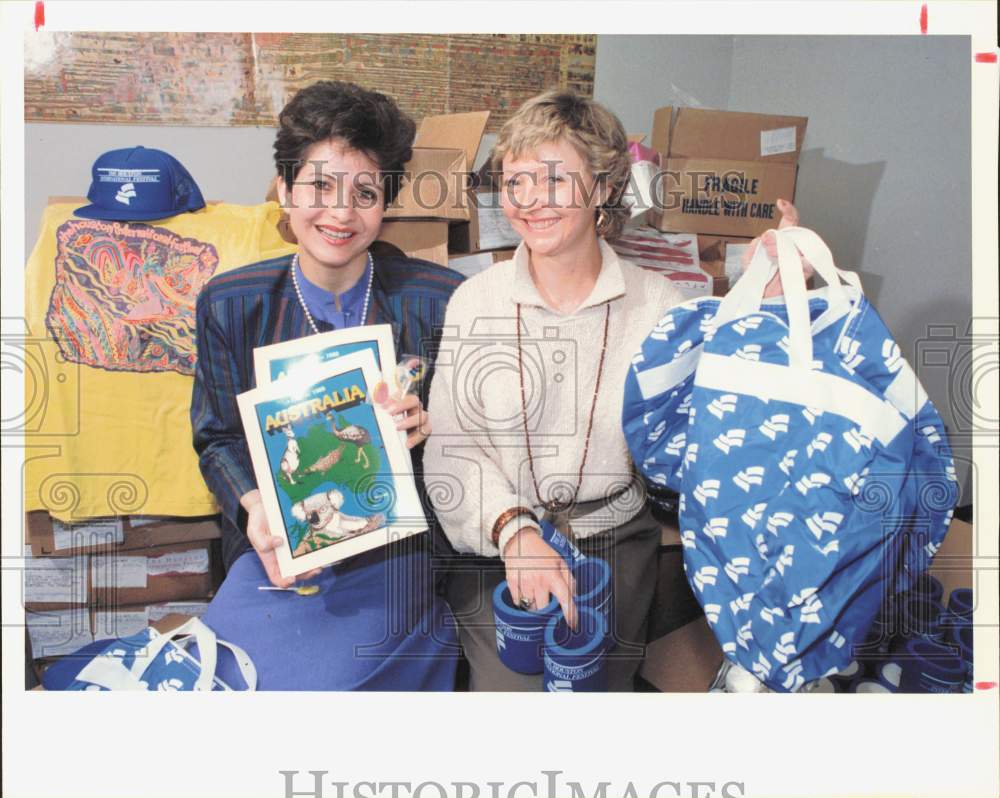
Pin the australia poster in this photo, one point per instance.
(335, 477)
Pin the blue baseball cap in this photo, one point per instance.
(139, 184)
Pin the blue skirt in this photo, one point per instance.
(375, 624)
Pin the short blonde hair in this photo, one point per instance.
(594, 132)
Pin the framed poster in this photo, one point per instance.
(334, 476)
(305, 355)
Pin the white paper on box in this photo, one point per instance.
(136, 521)
(777, 141)
(119, 623)
(734, 261)
(58, 632)
(60, 580)
(193, 608)
(194, 561)
(98, 532)
(495, 231)
(119, 570)
(471, 264)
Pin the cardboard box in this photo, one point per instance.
(123, 621)
(55, 634)
(724, 171)
(421, 238)
(165, 573)
(952, 565)
(476, 262)
(50, 537)
(438, 174)
(144, 532)
(715, 254)
(55, 583)
(486, 229)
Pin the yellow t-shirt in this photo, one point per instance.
(109, 355)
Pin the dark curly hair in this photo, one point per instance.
(368, 121)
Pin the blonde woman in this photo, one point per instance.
(527, 404)
(527, 399)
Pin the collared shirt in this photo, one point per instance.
(610, 282)
(322, 304)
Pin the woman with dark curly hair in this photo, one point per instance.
(339, 153)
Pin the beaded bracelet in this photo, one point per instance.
(505, 518)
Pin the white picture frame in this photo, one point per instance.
(348, 464)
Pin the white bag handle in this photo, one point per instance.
(745, 297)
(204, 637)
(109, 672)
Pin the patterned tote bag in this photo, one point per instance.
(813, 471)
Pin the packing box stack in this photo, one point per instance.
(447, 212)
(112, 577)
(722, 173)
(440, 209)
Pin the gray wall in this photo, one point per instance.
(638, 74)
(884, 172)
(885, 169)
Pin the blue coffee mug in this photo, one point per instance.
(520, 633)
(961, 636)
(960, 603)
(928, 587)
(593, 585)
(574, 659)
(930, 668)
(921, 618)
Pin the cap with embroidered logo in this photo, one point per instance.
(140, 184)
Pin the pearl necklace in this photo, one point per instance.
(302, 301)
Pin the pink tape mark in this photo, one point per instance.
(923, 18)
(39, 14)
(985, 685)
(986, 58)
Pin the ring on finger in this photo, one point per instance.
(526, 603)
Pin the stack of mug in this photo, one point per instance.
(915, 645)
(540, 641)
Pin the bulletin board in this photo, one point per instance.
(244, 79)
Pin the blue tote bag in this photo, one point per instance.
(813, 471)
(151, 661)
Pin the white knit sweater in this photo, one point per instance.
(475, 461)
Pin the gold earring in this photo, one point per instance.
(602, 220)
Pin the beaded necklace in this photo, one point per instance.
(302, 301)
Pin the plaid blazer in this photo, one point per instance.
(255, 306)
